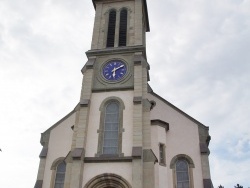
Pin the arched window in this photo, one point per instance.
(60, 175)
(182, 167)
(111, 128)
(182, 174)
(123, 27)
(111, 29)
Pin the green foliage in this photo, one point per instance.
(238, 186)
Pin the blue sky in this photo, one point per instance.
(198, 51)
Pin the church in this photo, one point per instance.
(121, 134)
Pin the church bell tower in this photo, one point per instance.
(113, 100)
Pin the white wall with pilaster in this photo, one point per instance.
(59, 145)
(94, 121)
(182, 138)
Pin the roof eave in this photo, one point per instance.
(179, 110)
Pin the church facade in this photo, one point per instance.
(122, 134)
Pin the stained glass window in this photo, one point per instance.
(111, 128)
(60, 175)
(182, 174)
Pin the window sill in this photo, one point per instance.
(104, 159)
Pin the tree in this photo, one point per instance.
(220, 186)
(238, 186)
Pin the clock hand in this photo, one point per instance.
(113, 73)
(115, 69)
(119, 67)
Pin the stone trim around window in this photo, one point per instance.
(116, 27)
(100, 131)
(53, 168)
(182, 156)
(162, 154)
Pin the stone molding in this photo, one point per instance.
(44, 152)
(84, 102)
(208, 183)
(108, 180)
(137, 59)
(56, 162)
(127, 88)
(149, 156)
(204, 148)
(146, 105)
(116, 50)
(160, 123)
(137, 100)
(182, 156)
(39, 184)
(137, 152)
(107, 159)
(89, 65)
(78, 154)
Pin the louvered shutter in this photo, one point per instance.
(111, 29)
(123, 28)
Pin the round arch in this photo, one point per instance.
(56, 162)
(109, 99)
(182, 156)
(108, 180)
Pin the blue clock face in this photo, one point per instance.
(114, 70)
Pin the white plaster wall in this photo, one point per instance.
(158, 135)
(182, 138)
(93, 169)
(94, 121)
(59, 145)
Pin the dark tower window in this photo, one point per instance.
(123, 28)
(111, 29)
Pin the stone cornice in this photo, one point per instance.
(116, 50)
(107, 159)
(160, 123)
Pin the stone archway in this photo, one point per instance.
(108, 180)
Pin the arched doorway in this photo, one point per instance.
(108, 180)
